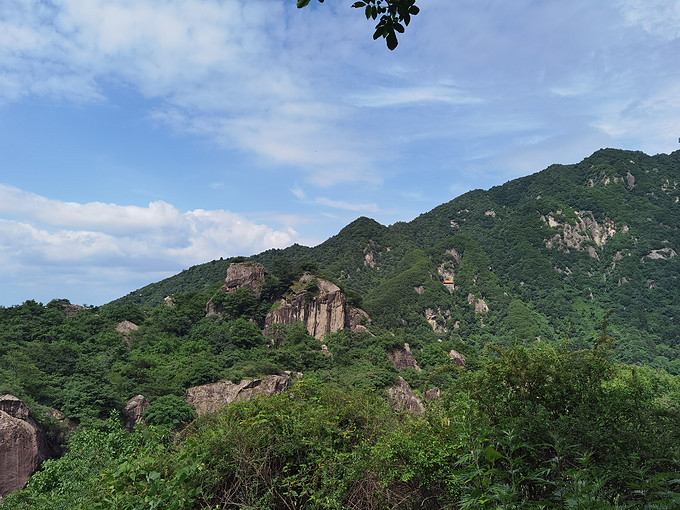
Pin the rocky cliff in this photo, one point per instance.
(209, 398)
(249, 275)
(320, 305)
(23, 445)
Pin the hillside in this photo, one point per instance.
(512, 348)
(540, 257)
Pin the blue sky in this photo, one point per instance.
(141, 137)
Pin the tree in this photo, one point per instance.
(394, 15)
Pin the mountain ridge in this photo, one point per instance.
(560, 246)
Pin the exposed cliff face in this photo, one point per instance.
(249, 275)
(402, 398)
(584, 229)
(23, 445)
(133, 411)
(209, 398)
(402, 357)
(320, 305)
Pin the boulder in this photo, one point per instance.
(209, 398)
(248, 275)
(133, 411)
(402, 398)
(402, 357)
(458, 358)
(23, 445)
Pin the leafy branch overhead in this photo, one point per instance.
(393, 15)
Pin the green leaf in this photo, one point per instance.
(491, 454)
(392, 40)
(413, 10)
(358, 4)
(302, 3)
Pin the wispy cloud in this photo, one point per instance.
(413, 95)
(349, 206)
(70, 234)
(659, 18)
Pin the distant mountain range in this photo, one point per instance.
(540, 258)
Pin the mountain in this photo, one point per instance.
(540, 258)
(515, 347)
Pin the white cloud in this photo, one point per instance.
(443, 93)
(660, 18)
(349, 206)
(232, 71)
(70, 235)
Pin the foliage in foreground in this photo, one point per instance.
(532, 428)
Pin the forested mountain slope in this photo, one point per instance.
(539, 258)
(534, 324)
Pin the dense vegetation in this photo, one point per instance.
(548, 412)
(501, 247)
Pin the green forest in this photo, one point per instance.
(564, 306)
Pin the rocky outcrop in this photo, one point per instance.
(23, 445)
(572, 235)
(437, 319)
(320, 305)
(249, 275)
(402, 398)
(209, 398)
(402, 357)
(126, 328)
(458, 358)
(480, 304)
(132, 415)
(661, 254)
(240, 275)
(70, 310)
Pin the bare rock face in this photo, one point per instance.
(133, 411)
(480, 304)
(126, 327)
(432, 394)
(458, 358)
(356, 318)
(320, 305)
(584, 229)
(661, 254)
(402, 398)
(245, 274)
(402, 357)
(437, 318)
(209, 398)
(249, 275)
(70, 309)
(23, 446)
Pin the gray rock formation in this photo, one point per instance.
(320, 305)
(458, 358)
(249, 275)
(133, 411)
(402, 357)
(23, 445)
(209, 398)
(402, 398)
